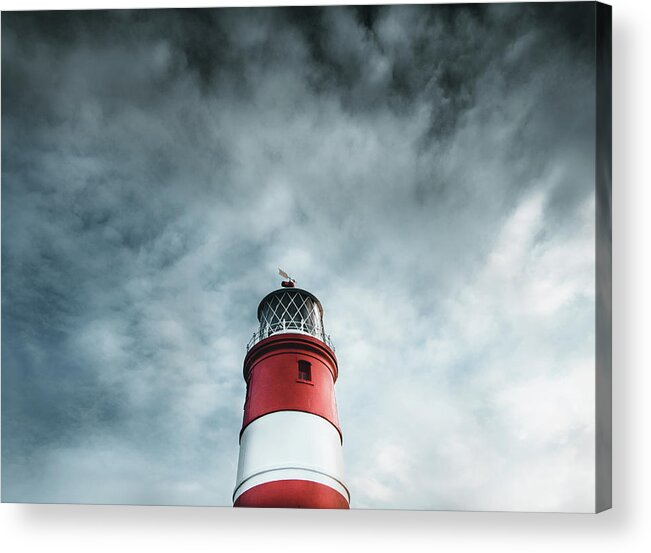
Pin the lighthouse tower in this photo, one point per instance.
(290, 442)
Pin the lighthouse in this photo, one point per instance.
(291, 441)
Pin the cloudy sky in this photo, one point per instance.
(427, 172)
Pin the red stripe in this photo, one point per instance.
(292, 494)
(273, 379)
(274, 386)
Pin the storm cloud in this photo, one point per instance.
(426, 171)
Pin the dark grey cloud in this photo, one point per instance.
(427, 171)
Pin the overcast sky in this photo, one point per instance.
(427, 172)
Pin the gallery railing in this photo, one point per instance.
(285, 327)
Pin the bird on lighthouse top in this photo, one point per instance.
(289, 282)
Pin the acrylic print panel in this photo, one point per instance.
(433, 182)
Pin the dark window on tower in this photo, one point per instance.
(304, 371)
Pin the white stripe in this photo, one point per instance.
(290, 440)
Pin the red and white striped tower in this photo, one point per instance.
(290, 442)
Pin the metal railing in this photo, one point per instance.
(285, 327)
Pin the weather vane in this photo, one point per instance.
(290, 282)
